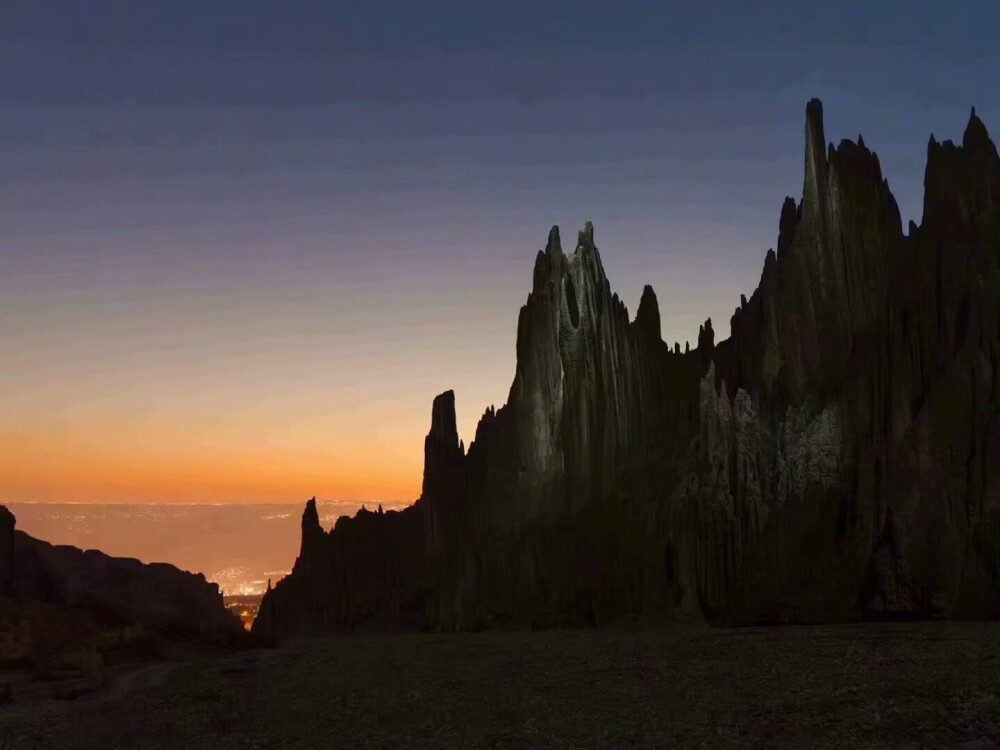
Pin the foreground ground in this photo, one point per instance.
(889, 685)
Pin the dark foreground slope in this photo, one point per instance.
(56, 598)
(837, 457)
(876, 685)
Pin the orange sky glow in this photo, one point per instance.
(248, 385)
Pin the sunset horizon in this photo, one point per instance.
(239, 268)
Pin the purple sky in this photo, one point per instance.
(242, 248)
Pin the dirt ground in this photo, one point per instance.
(934, 685)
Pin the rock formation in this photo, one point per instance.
(836, 458)
(111, 591)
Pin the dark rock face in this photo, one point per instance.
(444, 474)
(647, 317)
(7, 521)
(113, 591)
(375, 569)
(837, 457)
(368, 570)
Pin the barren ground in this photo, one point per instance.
(932, 685)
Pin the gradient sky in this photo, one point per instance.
(243, 244)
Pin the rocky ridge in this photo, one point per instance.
(834, 459)
(96, 591)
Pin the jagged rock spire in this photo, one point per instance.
(790, 215)
(811, 398)
(706, 338)
(443, 426)
(647, 317)
(958, 178)
(444, 469)
(548, 261)
(814, 189)
(553, 243)
(442, 449)
(585, 237)
(976, 136)
(310, 516)
(312, 532)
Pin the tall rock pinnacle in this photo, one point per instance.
(444, 470)
(814, 189)
(443, 424)
(312, 532)
(787, 225)
(647, 317)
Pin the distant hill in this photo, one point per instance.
(60, 598)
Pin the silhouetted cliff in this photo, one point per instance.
(835, 458)
(103, 591)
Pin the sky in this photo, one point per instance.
(244, 244)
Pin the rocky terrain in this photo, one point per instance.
(66, 614)
(836, 458)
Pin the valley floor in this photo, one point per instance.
(907, 685)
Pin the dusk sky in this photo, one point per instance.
(244, 244)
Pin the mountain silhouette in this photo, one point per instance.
(87, 592)
(836, 458)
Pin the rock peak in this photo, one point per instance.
(976, 135)
(310, 516)
(586, 236)
(706, 339)
(553, 243)
(787, 224)
(444, 472)
(814, 189)
(814, 111)
(443, 425)
(647, 317)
